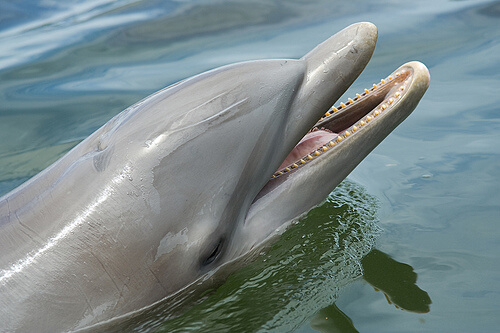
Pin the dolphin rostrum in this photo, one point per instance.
(188, 180)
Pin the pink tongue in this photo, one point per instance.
(309, 143)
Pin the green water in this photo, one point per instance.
(408, 244)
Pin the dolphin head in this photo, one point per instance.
(199, 152)
(214, 141)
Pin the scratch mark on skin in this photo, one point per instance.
(121, 293)
(158, 280)
(178, 126)
(84, 295)
(107, 273)
(8, 208)
(32, 234)
(61, 235)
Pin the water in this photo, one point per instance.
(422, 209)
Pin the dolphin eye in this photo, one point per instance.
(215, 253)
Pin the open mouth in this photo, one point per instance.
(348, 119)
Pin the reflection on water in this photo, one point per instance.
(332, 320)
(396, 280)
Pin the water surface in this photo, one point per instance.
(417, 220)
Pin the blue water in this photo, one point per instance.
(425, 204)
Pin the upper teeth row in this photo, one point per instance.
(353, 128)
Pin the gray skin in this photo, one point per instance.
(177, 186)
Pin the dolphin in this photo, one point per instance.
(189, 180)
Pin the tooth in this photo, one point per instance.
(350, 100)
